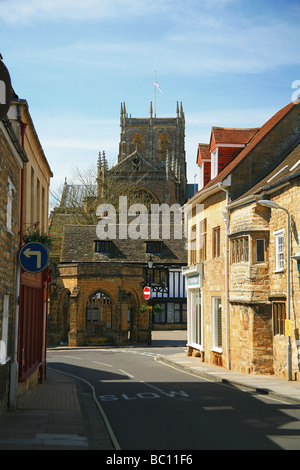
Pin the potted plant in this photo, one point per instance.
(157, 309)
(37, 236)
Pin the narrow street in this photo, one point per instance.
(151, 406)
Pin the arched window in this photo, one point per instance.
(137, 195)
(98, 311)
(137, 143)
(163, 146)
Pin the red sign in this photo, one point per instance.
(147, 293)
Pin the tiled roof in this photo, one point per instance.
(257, 138)
(227, 135)
(203, 153)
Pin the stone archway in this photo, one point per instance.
(98, 313)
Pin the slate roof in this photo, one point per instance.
(79, 246)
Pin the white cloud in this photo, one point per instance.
(20, 11)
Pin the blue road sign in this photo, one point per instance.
(34, 257)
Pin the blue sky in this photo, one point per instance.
(231, 63)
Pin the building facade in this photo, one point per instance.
(97, 296)
(240, 288)
(33, 296)
(23, 296)
(12, 161)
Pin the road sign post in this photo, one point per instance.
(147, 293)
(148, 296)
(34, 257)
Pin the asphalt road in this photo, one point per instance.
(151, 406)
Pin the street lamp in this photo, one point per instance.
(274, 205)
(150, 262)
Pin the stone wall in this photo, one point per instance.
(9, 244)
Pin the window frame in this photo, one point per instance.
(154, 247)
(9, 205)
(106, 247)
(279, 250)
(240, 250)
(214, 163)
(279, 316)
(216, 306)
(216, 241)
(4, 332)
(257, 261)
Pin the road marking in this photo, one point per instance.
(217, 408)
(74, 357)
(102, 364)
(127, 373)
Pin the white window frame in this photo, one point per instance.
(9, 206)
(195, 321)
(215, 303)
(214, 163)
(279, 250)
(4, 339)
(201, 175)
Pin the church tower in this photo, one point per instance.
(155, 149)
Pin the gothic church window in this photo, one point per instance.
(98, 310)
(163, 146)
(137, 143)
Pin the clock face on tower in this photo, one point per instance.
(136, 161)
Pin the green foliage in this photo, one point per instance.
(37, 236)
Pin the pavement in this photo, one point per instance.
(62, 413)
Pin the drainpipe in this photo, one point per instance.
(226, 215)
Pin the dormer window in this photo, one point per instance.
(154, 247)
(103, 247)
(201, 175)
(214, 163)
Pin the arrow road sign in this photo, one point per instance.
(34, 257)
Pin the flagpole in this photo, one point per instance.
(155, 94)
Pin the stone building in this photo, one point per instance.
(12, 160)
(97, 296)
(239, 288)
(24, 189)
(34, 197)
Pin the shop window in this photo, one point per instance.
(170, 312)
